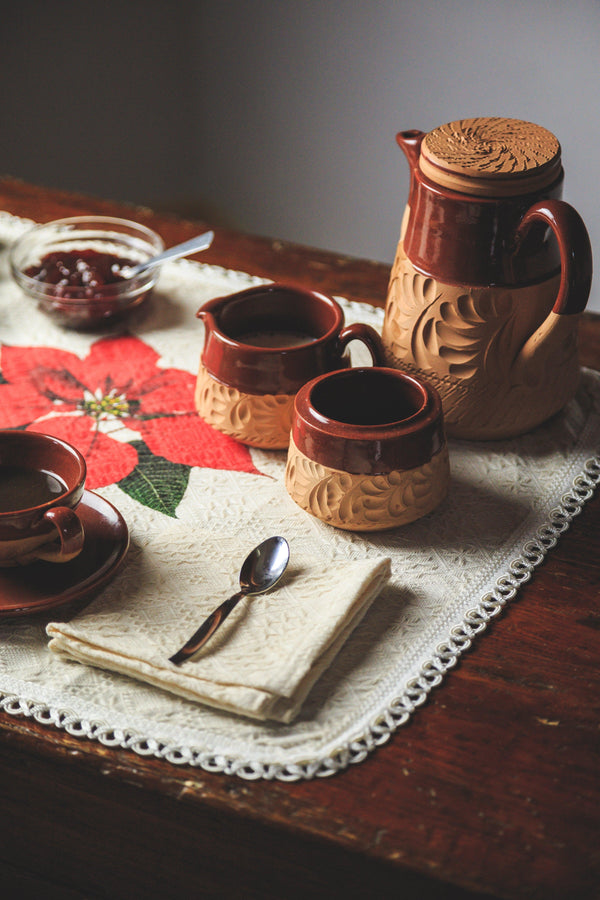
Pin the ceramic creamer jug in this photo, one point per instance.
(261, 345)
(491, 274)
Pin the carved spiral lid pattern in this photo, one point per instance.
(491, 156)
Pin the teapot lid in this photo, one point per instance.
(491, 156)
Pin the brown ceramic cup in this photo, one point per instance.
(41, 482)
(368, 450)
(261, 345)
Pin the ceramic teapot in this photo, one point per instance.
(492, 272)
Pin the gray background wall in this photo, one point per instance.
(279, 116)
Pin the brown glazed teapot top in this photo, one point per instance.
(483, 193)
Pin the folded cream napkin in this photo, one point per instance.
(265, 657)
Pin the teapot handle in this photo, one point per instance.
(574, 248)
(558, 330)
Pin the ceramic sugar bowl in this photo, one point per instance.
(492, 272)
(261, 345)
(367, 450)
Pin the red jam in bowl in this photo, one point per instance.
(80, 274)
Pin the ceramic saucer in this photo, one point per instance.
(42, 585)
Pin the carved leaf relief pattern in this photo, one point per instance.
(366, 502)
(476, 347)
(410, 299)
(259, 420)
(468, 335)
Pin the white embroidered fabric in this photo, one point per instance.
(452, 572)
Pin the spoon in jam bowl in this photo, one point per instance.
(260, 572)
(194, 245)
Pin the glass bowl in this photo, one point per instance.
(72, 267)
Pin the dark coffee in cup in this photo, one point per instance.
(41, 483)
(21, 488)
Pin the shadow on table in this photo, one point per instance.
(471, 514)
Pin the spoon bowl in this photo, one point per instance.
(263, 568)
(261, 571)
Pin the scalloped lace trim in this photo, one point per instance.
(382, 727)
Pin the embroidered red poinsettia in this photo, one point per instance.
(134, 421)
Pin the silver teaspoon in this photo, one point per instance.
(194, 245)
(261, 571)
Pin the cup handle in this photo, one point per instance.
(359, 331)
(70, 532)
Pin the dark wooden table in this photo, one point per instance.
(493, 787)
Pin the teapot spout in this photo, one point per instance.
(410, 144)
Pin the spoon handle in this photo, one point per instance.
(207, 629)
(194, 245)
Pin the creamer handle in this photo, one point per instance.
(359, 331)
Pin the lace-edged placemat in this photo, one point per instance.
(452, 572)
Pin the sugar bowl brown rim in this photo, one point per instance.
(405, 443)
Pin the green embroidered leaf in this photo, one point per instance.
(156, 482)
